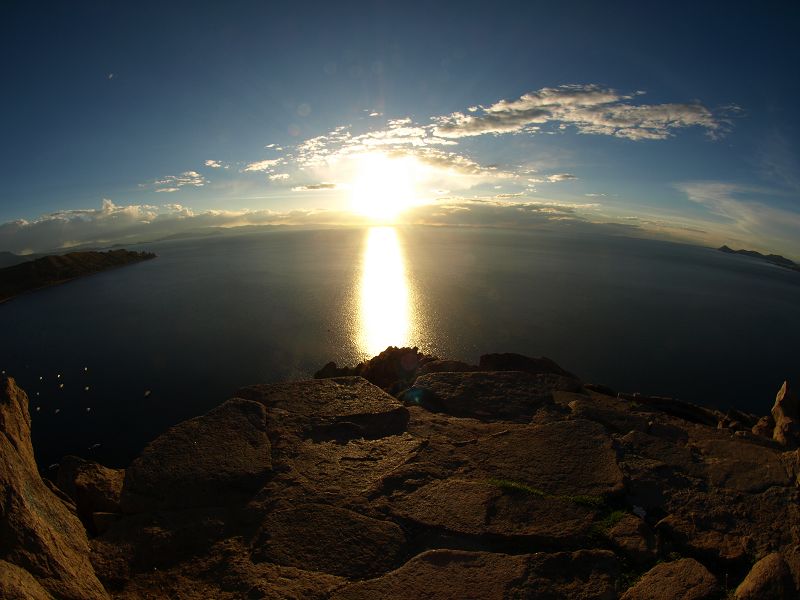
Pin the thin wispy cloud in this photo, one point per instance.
(738, 214)
(314, 187)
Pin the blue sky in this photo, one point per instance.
(127, 121)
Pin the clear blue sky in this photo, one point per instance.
(131, 120)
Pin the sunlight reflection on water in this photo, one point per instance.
(385, 309)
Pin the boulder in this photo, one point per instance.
(91, 486)
(338, 408)
(456, 574)
(512, 396)
(632, 537)
(496, 510)
(213, 460)
(318, 537)
(764, 427)
(18, 584)
(769, 579)
(40, 534)
(509, 361)
(445, 366)
(676, 408)
(786, 413)
(684, 579)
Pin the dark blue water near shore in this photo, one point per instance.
(210, 315)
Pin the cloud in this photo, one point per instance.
(278, 176)
(591, 109)
(554, 178)
(314, 187)
(214, 164)
(733, 213)
(173, 183)
(262, 165)
(114, 224)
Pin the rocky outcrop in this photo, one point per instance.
(92, 487)
(40, 539)
(769, 579)
(786, 414)
(684, 579)
(207, 461)
(488, 396)
(467, 484)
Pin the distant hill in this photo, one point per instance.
(775, 259)
(52, 270)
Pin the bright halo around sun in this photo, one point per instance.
(383, 186)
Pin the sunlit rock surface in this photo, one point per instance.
(43, 546)
(469, 483)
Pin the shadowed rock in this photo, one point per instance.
(445, 366)
(318, 537)
(634, 539)
(338, 408)
(93, 487)
(517, 362)
(206, 461)
(493, 513)
(488, 396)
(786, 413)
(17, 584)
(684, 579)
(38, 533)
(454, 574)
(769, 579)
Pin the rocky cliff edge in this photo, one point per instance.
(475, 481)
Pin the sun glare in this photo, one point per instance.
(383, 186)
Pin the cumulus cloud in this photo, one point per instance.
(173, 183)
(113, 224)
(214, 164)
(554, 178)
(262, 165)
(278, 176)
(314, 187)
(591, 109)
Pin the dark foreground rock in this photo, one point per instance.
(469, 483)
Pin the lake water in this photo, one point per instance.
(164, 340)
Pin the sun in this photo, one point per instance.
(383, 186)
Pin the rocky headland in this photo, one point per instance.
(56, 269)
(775, 259)
(507, 479)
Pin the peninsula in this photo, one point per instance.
(511, 478)
(55, 269)
(775, 259)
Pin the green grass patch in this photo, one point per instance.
(587, 501)
(516, 487)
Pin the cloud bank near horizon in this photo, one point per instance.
(112, 224)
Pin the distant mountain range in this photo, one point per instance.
(52, 270)
(775, 259)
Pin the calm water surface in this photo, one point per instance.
(208, 316)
